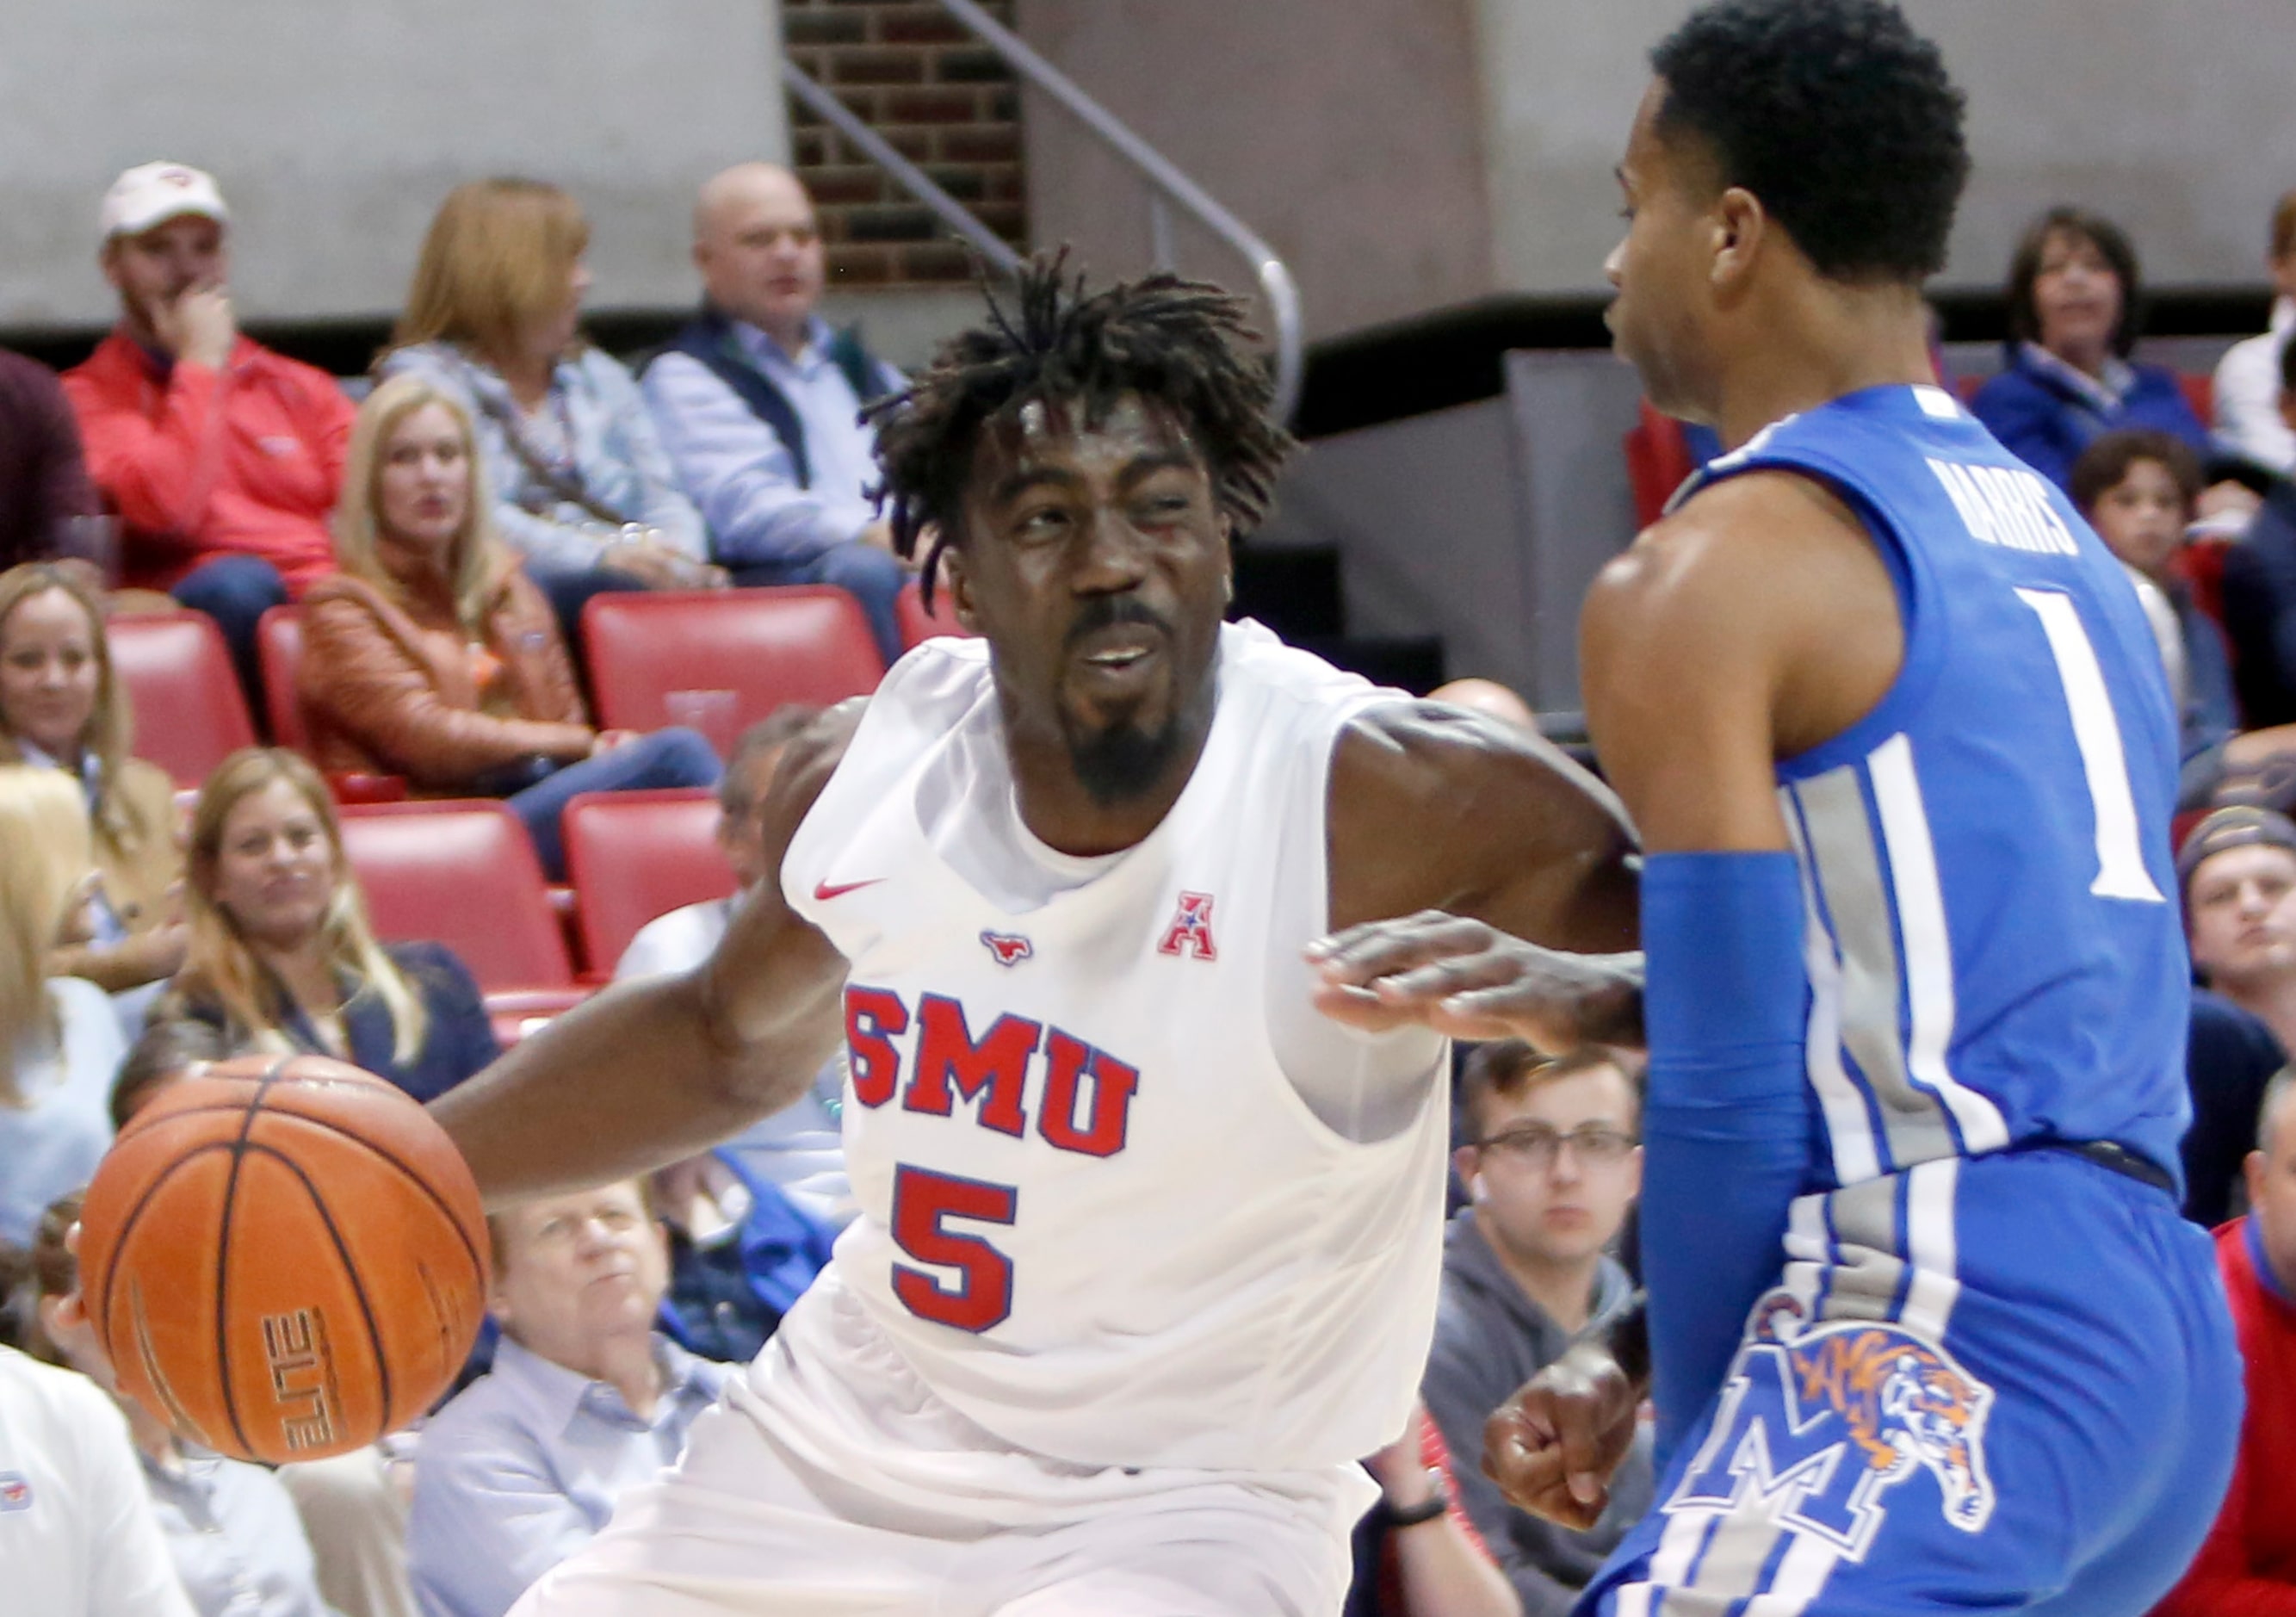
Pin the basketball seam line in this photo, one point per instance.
(350, 1273)
(470, 1248)
(223, 1254)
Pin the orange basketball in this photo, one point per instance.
(284, 1257)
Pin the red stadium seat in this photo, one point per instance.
(1658, 460)
(466, 875)
(919, 625)
(190, 715)
(279, 644)
(635, 856)
(279, 647)
(2200, 390)
(798, 643)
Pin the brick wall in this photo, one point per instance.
(944, 99)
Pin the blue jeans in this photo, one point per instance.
(661, 758)
(568, 590)
(863, 572)
(236, 591)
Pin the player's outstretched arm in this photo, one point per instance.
(1481, 883)
(648, 1072)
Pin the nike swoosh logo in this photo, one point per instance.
(822, 892)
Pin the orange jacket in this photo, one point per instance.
(201, 463)
(391, 686)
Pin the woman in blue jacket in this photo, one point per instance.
(2075, 302)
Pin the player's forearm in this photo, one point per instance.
(638, 1076)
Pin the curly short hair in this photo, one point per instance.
(1180, 345)
(2110, 455)
(1837, 115)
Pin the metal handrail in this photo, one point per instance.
(920, 184)
(1275, 283)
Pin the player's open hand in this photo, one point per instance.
(1552, 1446)
(1467, 979)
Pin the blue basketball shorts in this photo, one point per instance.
(2007, 1384)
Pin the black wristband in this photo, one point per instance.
(1426, 1510)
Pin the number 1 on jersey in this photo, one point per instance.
(922, 1202)
(2121, 872)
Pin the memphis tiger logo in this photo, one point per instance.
(1818, 1424)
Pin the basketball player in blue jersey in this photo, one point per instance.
(1925, 1330)
(1148, 1248)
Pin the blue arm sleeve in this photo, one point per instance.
(1726, 1129)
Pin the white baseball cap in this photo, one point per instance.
(152, 193)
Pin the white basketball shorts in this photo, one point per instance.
(832, 1482)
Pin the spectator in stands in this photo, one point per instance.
(49, 511)
(230, 1528)
(282, 957)
(60, 1043)
(585, 1400)
(2140, 490)
(1551, 1171)
(1416, 1553)
(1490, 698)
(94, 1548)
(2237, 869)
(2247, 1567)
(2260, 591)
(61, 708)
(758, 402)
(583, 490)
(2076, 300)
(432, 655)
(167, 1050)
(2250, 422)
(221, 456)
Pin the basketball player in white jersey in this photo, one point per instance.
(1148, 1249)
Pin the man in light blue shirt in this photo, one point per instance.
(757, 403)
(585, 1400)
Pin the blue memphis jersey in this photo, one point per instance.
(1996, 955)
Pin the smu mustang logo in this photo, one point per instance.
(1819, 1423)
(1008, 948)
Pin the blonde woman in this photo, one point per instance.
(231, 1525)
(61, 1042)
(281, 956)
(431, 654)
(62, 708)
(586, 493)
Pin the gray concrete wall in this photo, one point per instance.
(2179, 120)
(1343, 131)
(335, 130)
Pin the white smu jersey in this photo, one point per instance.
(1097, 1216)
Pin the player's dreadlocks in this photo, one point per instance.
(1178, 344)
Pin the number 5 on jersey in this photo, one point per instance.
(923, 1202)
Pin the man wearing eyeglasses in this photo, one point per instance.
(1553, 1167)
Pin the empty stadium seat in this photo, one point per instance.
(1658, 460)
(635, 856)
(279, 645)
(190, 715)
(464, 873)
(917, 624)
(796, 642)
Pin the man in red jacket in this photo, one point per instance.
(222, 458)
(2248, 1566)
